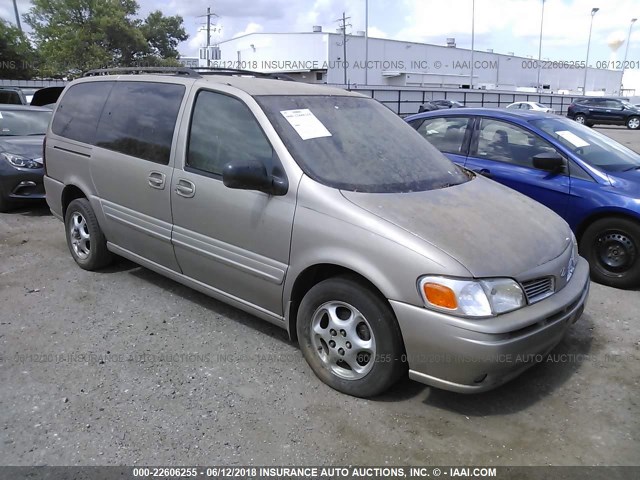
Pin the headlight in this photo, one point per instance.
(573, 260)
(22, 162)
(471, 298)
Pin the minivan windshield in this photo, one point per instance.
(357, 144)
(592, 147)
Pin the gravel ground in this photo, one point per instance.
(125, 367)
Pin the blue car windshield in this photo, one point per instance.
(590, 146)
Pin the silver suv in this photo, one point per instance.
(318, 210)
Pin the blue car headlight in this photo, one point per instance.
(22, 162)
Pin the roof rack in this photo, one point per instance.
(194, 72)
(235, 71)
(188, 72)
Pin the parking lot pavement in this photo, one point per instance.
(127, 367)
(629, 138)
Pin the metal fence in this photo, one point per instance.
(407, 101)
(32, 83)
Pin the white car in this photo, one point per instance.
(531, 106)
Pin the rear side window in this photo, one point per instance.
(139, 119)
(10, 98)
(77, 115)
(223, 129)
(446, 133)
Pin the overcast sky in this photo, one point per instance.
(503, 25)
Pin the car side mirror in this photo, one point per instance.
(549, 162)
(253, 176)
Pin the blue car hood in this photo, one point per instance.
(30, 147)
(627, 182)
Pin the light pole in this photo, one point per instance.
(15, 9)
(473, 34)
(540, 48)
(586, 67)
(626, 51)
(366, 42)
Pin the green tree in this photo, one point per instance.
(17, 56)
(163, 34)
(77, 35)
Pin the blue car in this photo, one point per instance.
(588, 179)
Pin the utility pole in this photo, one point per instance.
(208, 15)
(15, 8)
(343, 26)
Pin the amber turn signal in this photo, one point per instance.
(440, 296)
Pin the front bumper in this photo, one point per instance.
(471, 356)
(21, 183)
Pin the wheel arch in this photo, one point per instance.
(599, 215)
(313, 275)
(70, 193)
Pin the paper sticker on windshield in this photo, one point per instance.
(0, 114)
(305, 123)
(572, 138)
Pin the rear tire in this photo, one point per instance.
(633, 123)
(350, 338)
(612, 247)
(86, 242)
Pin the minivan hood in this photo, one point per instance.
(490, 229)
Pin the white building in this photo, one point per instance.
(319, 57)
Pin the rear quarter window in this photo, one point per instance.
(79, 111)
(139, 119)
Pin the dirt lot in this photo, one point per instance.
(126, 367)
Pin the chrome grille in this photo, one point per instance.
(538, 289)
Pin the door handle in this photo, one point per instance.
(185, 188)
(485, 172)
(156, 180)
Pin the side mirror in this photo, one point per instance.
(253, 176)
(549, 162)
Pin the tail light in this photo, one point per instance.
(44, 154)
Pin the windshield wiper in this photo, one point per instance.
(637, 167)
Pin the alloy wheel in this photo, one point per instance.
(343, 340)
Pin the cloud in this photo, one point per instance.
(250, 28)
(566, 22)
(375, 32)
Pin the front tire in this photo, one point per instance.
(612, 247)
(350, 337)
(633, 123)
(85, 239)
(581, 119)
